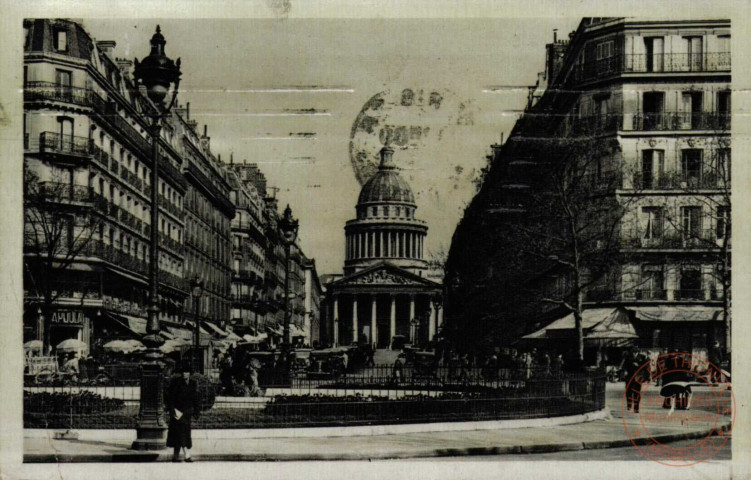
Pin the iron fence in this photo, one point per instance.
(377, 398)
(371, 395)
(81, 406)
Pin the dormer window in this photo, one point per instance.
(61, 41)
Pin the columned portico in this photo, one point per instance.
(384, 263)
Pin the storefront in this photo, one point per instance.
(70, 323)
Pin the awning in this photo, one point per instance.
(215, 329)
(136, 324)
(192, 326)
(275, 330)
(597, 324)
(136, 328)
(668, 313)
(296, 331)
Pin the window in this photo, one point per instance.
(691, 222)
(691, 110)
(723, 216)
(691, 166)
(723, 109)
(654, 47)
(652, 283)
(690, 283)
(652, 168)
(374, 211)
(652, 220)
(695, 50)
(722, 170)
(605, 50)
(386, 211)
(653, 108)
(61, 41)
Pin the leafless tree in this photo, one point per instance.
(58, 227)
(569, 233)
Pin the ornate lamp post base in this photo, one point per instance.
(151, 422)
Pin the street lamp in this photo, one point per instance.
(437, 306)
(196, 286)
(156, 73)
(288, 227)
(415, 323)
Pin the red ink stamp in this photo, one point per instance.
(677, 396)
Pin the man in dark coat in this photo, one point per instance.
(636, 374)
(715, 358)
(183, 402)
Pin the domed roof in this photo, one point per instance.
(386, 185)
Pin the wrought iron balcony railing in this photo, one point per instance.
(651, 294)
(655, 63)
(49, 91)
(64, 144)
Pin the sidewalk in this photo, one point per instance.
(591, 435)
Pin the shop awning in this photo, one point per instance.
(136, 324)
(216, 330)
(275, 331)
(136, 328)
(668, 313)
(296, 331)
(597, 323)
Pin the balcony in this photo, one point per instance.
(169, 243)
(53, 92)
(707, 180)
(64, 147)
(670, 121)
(702, 239)
(171, 207)
(688, 294)
(655, 63)
(651, 294)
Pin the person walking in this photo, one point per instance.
(635, 376)
(715, 358)
(397, 371)
(183, 403)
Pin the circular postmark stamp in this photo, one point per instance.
(677, 396)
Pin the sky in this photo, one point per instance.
(289, 95)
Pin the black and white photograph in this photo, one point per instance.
(383, 241)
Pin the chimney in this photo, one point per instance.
(205, 139)
(187, 111)
(231, 158)
(125, 67)
(555, 35)
(107, 47)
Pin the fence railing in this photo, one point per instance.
(371, 397)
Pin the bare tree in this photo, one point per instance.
(58, 227)
(569, 233)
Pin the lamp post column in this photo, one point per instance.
(287, 340)
(157, 73)
(151, 425)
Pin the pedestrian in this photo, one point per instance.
(397, 371)
(183, 403)
(369, 356)
(715, 360)
(225, 374)
(636, 374)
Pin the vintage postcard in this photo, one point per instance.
(449, 240)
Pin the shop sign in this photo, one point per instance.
(68, 317)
